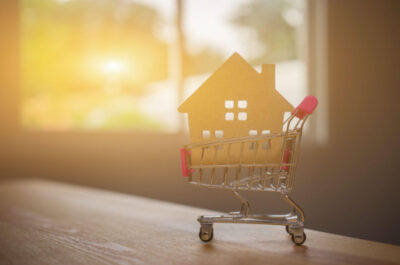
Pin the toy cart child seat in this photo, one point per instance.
(236, 173)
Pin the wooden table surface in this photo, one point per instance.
(52, 223)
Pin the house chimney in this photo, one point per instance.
(268, 73)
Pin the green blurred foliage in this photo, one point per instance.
(64, 47)
(58, 38)
(276, 36)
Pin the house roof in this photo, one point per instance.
(234, 67)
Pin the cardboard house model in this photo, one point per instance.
(236, 101)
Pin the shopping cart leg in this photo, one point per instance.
(295, 220)
(206, 222)
(295, 207)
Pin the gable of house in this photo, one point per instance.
(223, 81)
(235, 78)
(235, 101)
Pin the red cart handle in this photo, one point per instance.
(185, 170)
(307, 106)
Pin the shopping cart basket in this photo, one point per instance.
(242, 164)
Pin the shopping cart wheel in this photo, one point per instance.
(288, 230)
(299, 239)
(206, 233)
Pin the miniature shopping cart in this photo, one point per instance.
(236, 165)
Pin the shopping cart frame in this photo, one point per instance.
(277, 177)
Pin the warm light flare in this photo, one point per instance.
(113, 66)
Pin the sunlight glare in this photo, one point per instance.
(62, 1)
(112, 66)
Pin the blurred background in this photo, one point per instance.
(90, 90)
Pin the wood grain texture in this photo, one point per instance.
(51, 223)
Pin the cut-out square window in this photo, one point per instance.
(253, 132)
(253, 145)
(265, 132)
(229, 116)
(219, 133)
(206, 134)
(242, 104)
(242, 116)
(229, 104)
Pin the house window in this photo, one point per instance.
(253, 145)
(242, 116)
(206, 134)
(253, 132)
(229, 116)
(219, 133)
(242, 104)
(229, 104)
(267, 144)
(105, 67)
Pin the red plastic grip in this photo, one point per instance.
(307, 106)
(286, 158)
(185, 171)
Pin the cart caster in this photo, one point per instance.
(299, 239)
(206, 233)
(288, 230)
